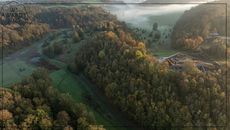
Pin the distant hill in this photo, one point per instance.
(199, 23)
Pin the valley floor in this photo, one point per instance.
(20, 64)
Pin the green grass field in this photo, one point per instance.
(164, 53)
(11, 71)
(65, 82)
(77, 87)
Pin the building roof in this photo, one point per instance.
(214, 34)
(177, 60)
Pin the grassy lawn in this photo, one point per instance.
(57, 63)
(65, 82)
(11, 71)
(164, 53)
(76, 87)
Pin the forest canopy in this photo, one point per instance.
(149, 92)
(36, 104)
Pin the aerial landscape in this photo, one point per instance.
(114, 65)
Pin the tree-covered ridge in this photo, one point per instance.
(200, 23)
(214, 48)
(85, 17)
(14, 34)
(34, 104)
(149, 92)
(19, 30)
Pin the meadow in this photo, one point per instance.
(80, 89)
(14, 71)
